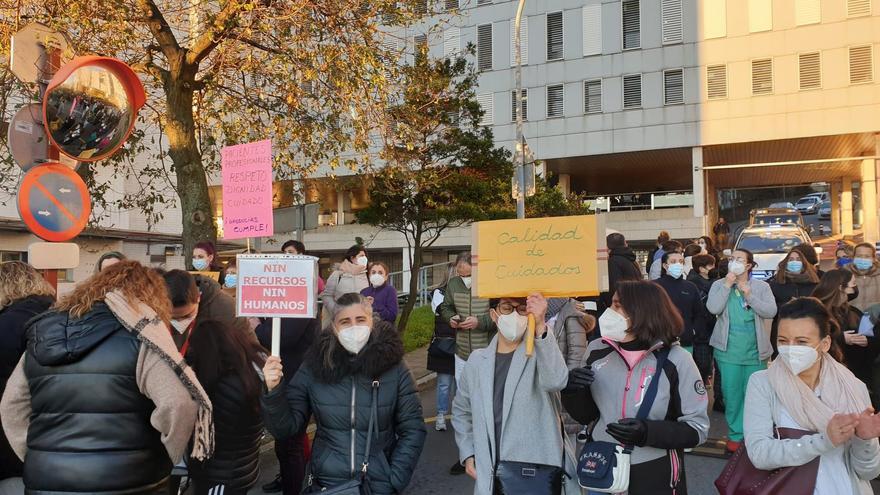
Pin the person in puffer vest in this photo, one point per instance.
(226, 362)
(617, 370)
(128, 400)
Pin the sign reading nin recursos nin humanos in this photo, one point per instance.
(277, 286)
(246, 171)
(556, 256)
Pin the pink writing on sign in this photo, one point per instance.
(247, 190)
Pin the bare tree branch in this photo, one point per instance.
(161, 30)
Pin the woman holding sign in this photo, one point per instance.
(366, 408)
(506, 411)
(639, 335)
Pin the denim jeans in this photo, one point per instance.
(445, 391)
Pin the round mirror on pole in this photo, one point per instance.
(90, 107)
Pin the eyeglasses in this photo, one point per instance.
(508, 308)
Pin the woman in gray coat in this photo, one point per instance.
(507, 400)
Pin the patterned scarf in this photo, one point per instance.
(151, 331)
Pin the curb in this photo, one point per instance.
(426, 381)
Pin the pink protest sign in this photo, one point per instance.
(247, 190)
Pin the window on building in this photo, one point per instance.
(673, 87)
(523, 40)
(421, 7)
(593, 96)
(592, 23)
(762, 76)
(632, 91)
(760, 15)
(554, 36)
(671, 23)
(13, 256)
(861, 66)
(484, 47)
(857, 8)
(451, 4)
(420, 45)
(484, 2)
(487, 104)
(716, 81)
(451, 41)
(555, 101)
(809, 71)
(632, 37)
(714, 19)
(807, 12)
(525, 104)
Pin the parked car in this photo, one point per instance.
(776, 216)
(770, 244)
(825, 210)
(808, 205)
(784, 205)
(823, 196)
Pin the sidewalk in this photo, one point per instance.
(417, 362)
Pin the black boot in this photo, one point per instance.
(273, 486)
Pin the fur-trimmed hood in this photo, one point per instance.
(383, 351)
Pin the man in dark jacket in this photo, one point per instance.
(703, 266)
(685, 296)
(297, 335)
(622, 264)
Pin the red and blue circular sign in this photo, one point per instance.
(54, 202)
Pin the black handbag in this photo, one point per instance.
(360, 485)
(442, 347)
(524, 478)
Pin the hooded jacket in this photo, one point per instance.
(678, 418)
(120, 403)
(685, 297)
(869, 286)
(459, 301)
(622, 265)
(339, 398)
(13, 323)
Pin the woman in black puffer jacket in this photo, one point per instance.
(335, 384)
(225, 361)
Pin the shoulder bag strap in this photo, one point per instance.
(372, 427)
(651, 393)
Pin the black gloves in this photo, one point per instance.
(629, 431)
(579, 380)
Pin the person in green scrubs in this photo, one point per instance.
(741, 338)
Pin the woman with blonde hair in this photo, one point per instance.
(23, 295)
(104, 360)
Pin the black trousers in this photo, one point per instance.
(291, 454)
(658, 477)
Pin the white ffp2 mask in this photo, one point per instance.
(354, 338)
(512, 326)
(613, 325)
(798, 358)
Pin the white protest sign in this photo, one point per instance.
(277, 286)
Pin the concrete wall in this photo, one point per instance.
(642, 225)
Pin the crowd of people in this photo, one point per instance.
(141, 376)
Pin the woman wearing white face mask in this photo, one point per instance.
(638, 331)
(349, 276)
(742, 345)
(354, 371)
(382, 294)
(808, 395)
(506, 407)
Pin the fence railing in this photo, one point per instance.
(426, 283)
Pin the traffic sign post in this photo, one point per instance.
(53, 202)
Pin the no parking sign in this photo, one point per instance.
(53, 202)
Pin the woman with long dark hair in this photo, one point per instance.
(807, 389)
(641, 324)
(226, 364)
(835, 291)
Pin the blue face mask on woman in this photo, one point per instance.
(200, 264)
(794, 266)
(863, 264)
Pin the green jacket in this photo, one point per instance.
(459, 301)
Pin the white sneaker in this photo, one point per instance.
(440, 424)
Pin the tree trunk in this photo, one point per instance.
(413, 286)
(192, 184)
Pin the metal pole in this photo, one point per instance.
(520, 167)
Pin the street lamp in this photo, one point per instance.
(520, 159)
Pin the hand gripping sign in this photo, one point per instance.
(556, 256)
(277, 286)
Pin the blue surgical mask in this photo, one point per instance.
(863, 264)
(200, 264)
(675, 270)
(843, 261)
(231, 280)
(794, 266)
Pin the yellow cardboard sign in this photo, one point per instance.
(556, 256)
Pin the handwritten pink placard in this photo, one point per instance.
(246, 170)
